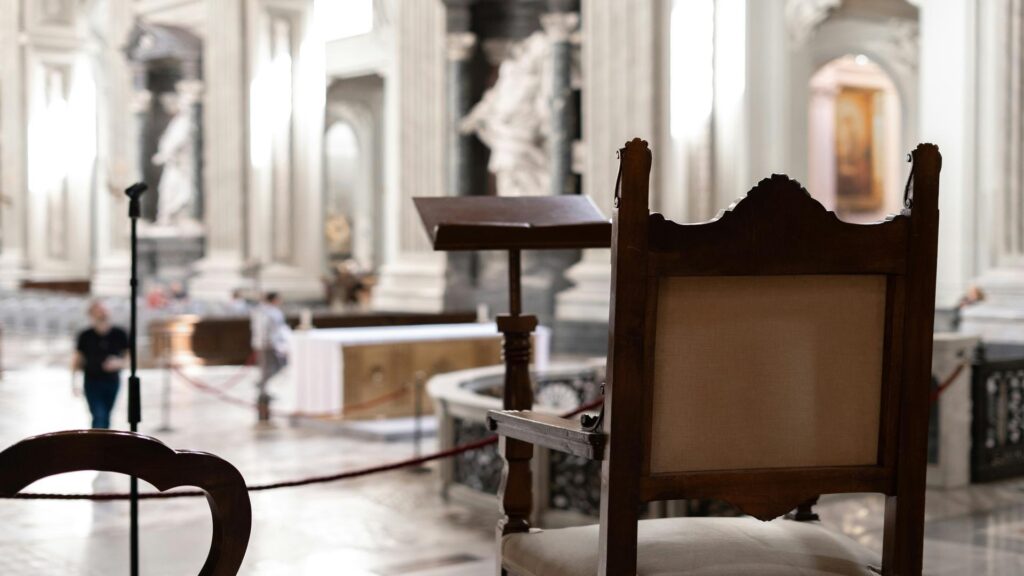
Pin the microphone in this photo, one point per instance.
(135, 192)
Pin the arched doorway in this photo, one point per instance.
(353, 173)
(341, 193)
(854, 138)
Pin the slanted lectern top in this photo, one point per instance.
(522, 223)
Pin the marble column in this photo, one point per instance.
(621, 88)
(13, 161)
(117, 150)
(462, 95)
(1000, 189)
(947, 108)
(821, 177)
(225, 174)
(413, 276)
(560, 28)
(465, 177)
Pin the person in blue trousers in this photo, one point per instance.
(101, 351)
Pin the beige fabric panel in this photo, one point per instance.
(767, 372)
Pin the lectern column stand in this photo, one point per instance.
(516, 330)
(464, 223)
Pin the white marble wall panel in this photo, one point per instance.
(60, 102)
(13, 168)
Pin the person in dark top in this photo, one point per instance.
(101, 353)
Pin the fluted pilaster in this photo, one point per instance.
(12, 154)
(999, 194)
(621, 83)
(225, 150)
(118, 150)
(412, 277)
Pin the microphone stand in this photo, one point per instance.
(134, 192)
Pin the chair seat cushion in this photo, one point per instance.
(698, 547)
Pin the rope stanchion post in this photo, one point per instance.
(165, 395)
(417, 426)
(165, 402)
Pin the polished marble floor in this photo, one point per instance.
(383, 525)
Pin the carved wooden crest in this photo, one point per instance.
(779, 227)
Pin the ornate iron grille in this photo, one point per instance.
(997, 393)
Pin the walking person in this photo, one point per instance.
(101, 352)
(270, 334)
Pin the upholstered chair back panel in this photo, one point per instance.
(754, 372)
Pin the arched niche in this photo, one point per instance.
(855, 124)
(888, 43)
(344, 189)
(353, 166)
(167, 68)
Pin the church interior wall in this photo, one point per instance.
(262, 183)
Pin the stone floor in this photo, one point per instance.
(385, 525)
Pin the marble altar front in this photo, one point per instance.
(355, 367)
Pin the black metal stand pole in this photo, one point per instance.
(134, 192)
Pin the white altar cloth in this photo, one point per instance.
(317, 361)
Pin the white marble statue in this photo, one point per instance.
(513, 119)
(175, 152)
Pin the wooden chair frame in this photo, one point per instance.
(777, 229)
(150, 460)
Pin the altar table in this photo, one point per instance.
(362, 372)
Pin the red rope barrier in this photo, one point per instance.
(463, 448)
(347, 410)
(412, 462)
(937, 392)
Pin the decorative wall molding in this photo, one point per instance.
(804, 16)
(460, 45)
(560, 26)
(906, 44)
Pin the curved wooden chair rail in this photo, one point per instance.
(148, 459)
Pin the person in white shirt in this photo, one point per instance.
(270, 336)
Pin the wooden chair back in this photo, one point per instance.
(150, 460)
(769, 356)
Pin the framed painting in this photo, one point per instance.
(858, 178)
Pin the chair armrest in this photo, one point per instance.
(548, 431)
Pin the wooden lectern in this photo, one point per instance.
(514, 224)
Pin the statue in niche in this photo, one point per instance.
(513, 119)
(176, 154)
